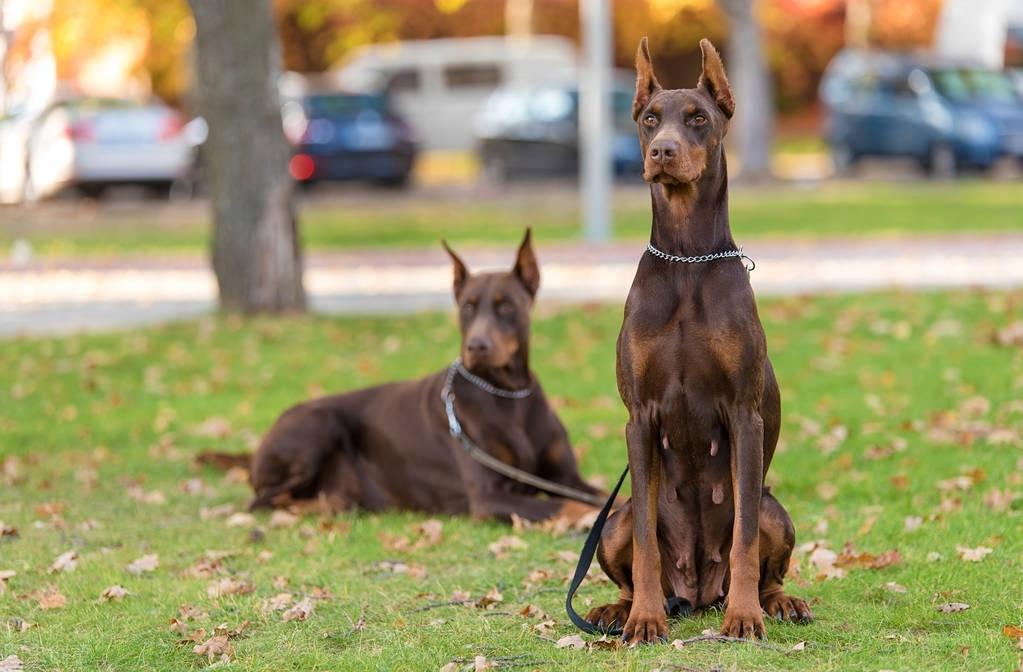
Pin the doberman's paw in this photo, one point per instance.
(646, 628)
(743, 623)
(610, 616)
(787, 608)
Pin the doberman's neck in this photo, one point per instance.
(513, 376)
(692, 219)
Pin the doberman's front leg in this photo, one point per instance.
(743, 615)
(647, 621)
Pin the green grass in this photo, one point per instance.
(851, 209)
(917, 381)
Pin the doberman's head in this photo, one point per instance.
(493, 313)
(681, 130)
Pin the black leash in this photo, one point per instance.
(674, 607)
(586, 559)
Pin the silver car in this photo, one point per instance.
(93, 143)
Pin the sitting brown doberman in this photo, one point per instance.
(703, 401)
(395, 446)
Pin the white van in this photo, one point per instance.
(440, 85)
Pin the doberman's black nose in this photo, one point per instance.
(478, 346)
(664, 150)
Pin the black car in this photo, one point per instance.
(527, 132)
(343, 136)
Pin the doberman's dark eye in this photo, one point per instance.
(505, 309)
(650, 120)
(698, 120)
(468, 308)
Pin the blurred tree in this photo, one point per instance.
(256, 254)
(751, 81)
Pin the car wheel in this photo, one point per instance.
(842, 157)
(941, 162)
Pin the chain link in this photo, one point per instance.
(701, 258)
(487, 387)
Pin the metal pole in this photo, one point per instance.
(595, 130)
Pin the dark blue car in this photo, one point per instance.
(946, 117)
(533, 133)
(341, 136)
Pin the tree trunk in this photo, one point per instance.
(256, 255)
(753, 125)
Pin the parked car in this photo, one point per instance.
(440, 85)
(92, 143)
(945, 116)
(533, 132)
(345, 136)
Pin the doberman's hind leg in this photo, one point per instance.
(777, 539)
(615, 557)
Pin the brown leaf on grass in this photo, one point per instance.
(50, 598)
(1010, 335)
(137, 493)
(5, 574)
(461, 596)
(539, 575)
(229, 586)
(425, 534)
(278, 602)
(16, 624)
(240, 519)
(11, 664)
(567, 556)
(190, 613)
(571, 642)
(282, 518)
(544, 628)
(300, 612)
(849, 558)
(533, 611)
(413, 570)
(490, 600)
(502, 546)
(65, 562)
(7, 530)
(800, 646)
(893, 587)
(217, 647)
(952, 607)
(114, 594)
(973, 554)
(237, 476)
(50, 509)
(147, 563)
(215, 427)
(219, 511)
(1013, 631)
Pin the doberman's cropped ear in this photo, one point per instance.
(461, 271)
(646, 83)
(526, 269)
(714, 80)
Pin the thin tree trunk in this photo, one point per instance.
(753, 125)
(256, 255)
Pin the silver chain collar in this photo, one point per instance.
(701, 258)
(484, 385)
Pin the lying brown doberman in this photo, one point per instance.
(703, 401)
(393, 446)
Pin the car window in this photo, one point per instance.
(951, 85)
(403, 81)
(338, 105)
(990, 86)
(481, 75)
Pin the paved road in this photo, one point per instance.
(80, 295)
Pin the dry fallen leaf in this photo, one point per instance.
(913, 523)
(215, 427)
(215, 647)
(952, 607)
(5, 574)
(300, 611)
(7, 530)
(571, 642)
(229, 586)
(278, 602)
(973, 554)
(147, 563)
(50, 598)
(493, 597)
(413, 570)
(799, 647)
(533, 611)
(1013, 631)
(501, 547)
(240, 519)
(114, 594)
(281, 518)
(893, 587)
(65, 562)
(11, 664)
